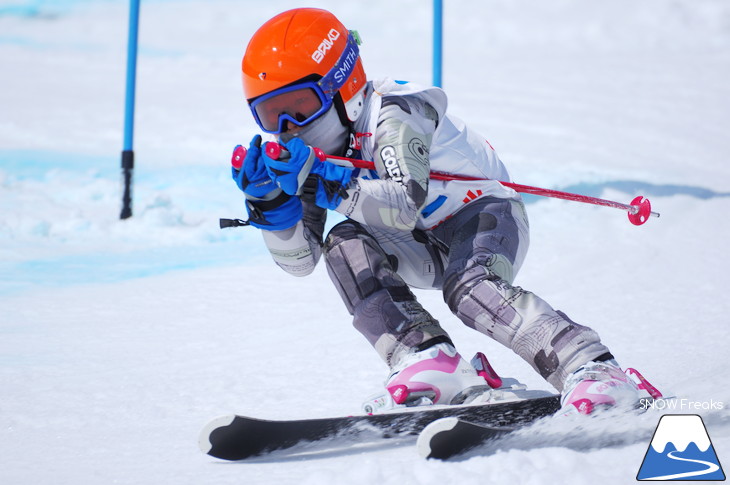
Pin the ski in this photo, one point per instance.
(452, 436)
(235, 437)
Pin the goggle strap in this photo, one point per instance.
(341, 71)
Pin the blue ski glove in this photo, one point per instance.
(289, 167)
(268, 207)
(327, 184)
(251, 176)
(295, 167)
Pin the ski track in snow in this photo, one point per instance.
(119, 340)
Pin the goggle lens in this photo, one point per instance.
(299, 106)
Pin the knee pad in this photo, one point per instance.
(385, 310)
(357, 264)
(547, 339)
(458, 281)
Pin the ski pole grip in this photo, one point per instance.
(239, 154)
(321, 155)
(275, 151)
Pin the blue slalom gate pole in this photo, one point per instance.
(127, 151)
(438, 13)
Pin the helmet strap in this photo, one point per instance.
(341, 110)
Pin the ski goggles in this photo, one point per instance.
(303, 102)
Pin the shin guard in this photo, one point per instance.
(385, 310)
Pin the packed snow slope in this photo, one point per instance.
(119, 339)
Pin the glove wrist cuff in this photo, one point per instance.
(279, 213)
(268, 197)
(264, 205)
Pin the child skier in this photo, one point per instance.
(305, 84)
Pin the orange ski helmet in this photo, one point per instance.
(300, 63)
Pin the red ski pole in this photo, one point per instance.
(639, 210)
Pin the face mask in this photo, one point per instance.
(327, 133)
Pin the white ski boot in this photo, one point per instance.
(436, 375)
(604, 384)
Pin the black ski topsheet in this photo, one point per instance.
(239, 437)
(457, 437)
(449, 437)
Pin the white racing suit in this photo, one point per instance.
(465, 238)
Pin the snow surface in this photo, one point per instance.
(119, 339)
